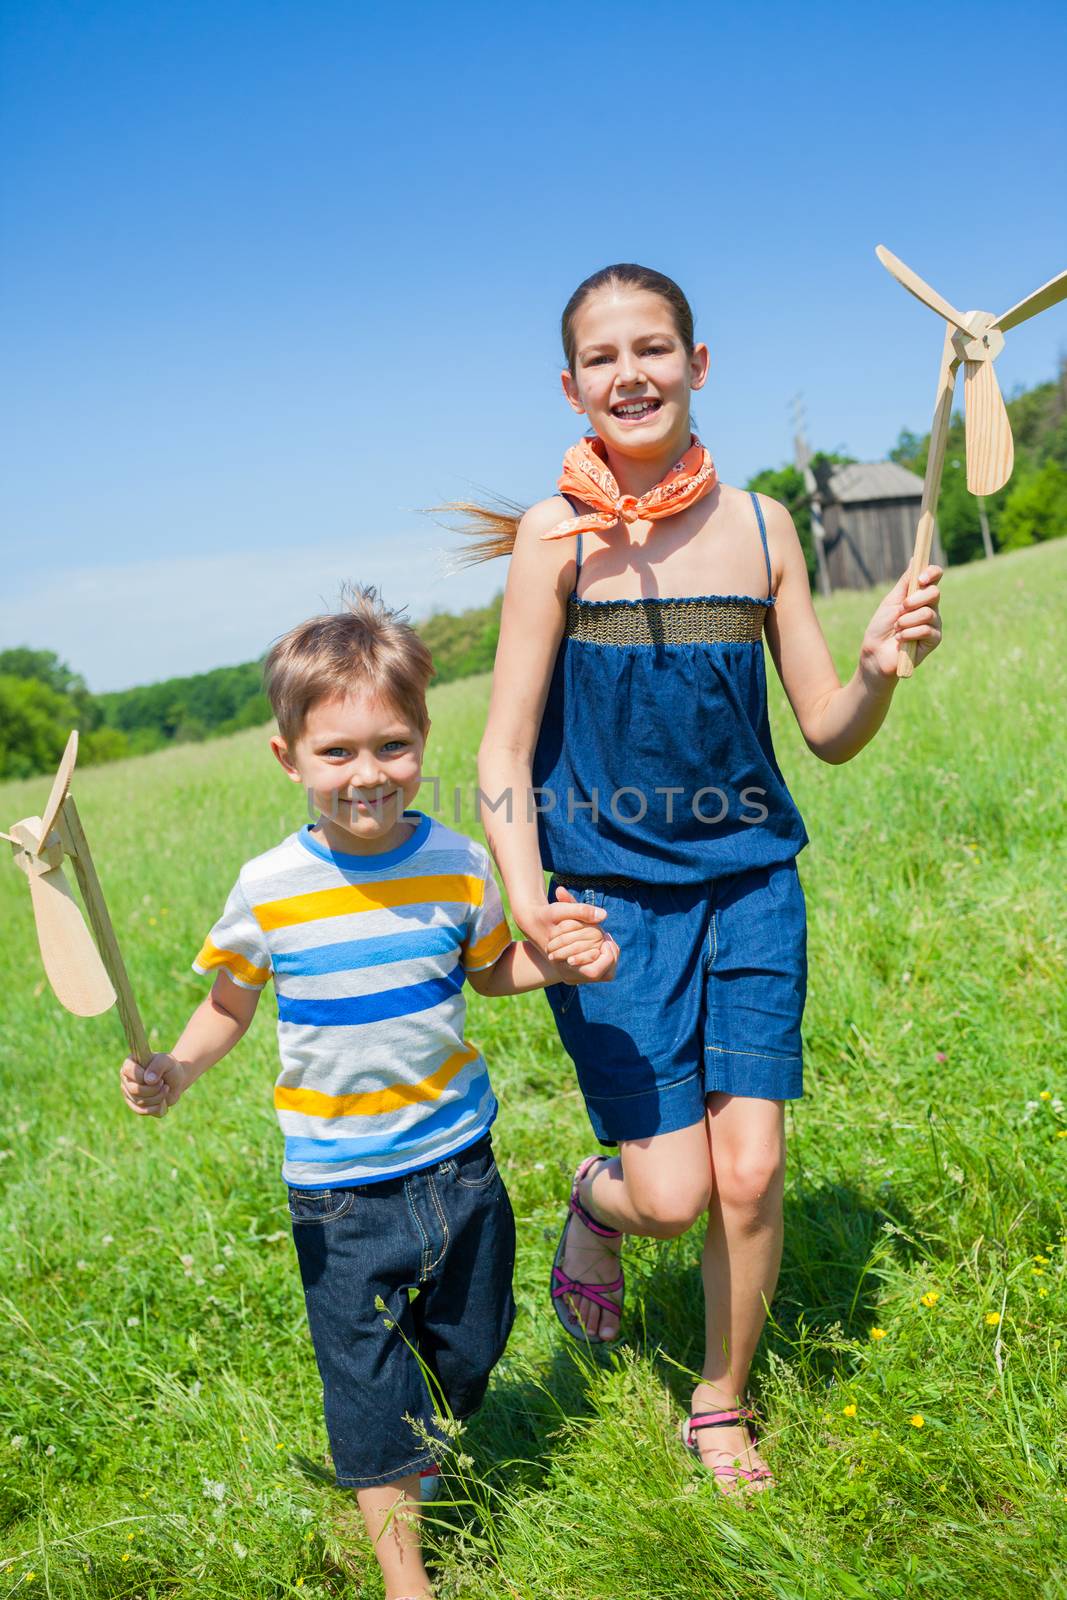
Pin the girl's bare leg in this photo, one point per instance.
(654, 1187)
(742, 1255)
(391, 1513)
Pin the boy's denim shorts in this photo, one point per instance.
(708, 998)
(446, 1231)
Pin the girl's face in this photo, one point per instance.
(632, 374)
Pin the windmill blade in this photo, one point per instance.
(920, 289)
(72, 962)
(990, 447)
(1049, 294)
(59, 790)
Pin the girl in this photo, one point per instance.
(629, 704)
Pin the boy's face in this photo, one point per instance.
(361, 760)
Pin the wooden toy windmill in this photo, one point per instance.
(86, 978)
(976, 338)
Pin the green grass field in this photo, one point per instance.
(160, 1423)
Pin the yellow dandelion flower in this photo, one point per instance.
(279, 1447)
(992, 1318)
(125, 1555)
(917, 1421)
(849, 1410)
(877, 1333)
(1042, 1261)
(1043, 1294)
(129, 1536)
(1061, 1133)
(930, 1298)
(1037, 1272)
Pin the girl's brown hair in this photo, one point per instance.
(363, 647)
(492, 528)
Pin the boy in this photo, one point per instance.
(369, 921)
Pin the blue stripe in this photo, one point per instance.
(353, 1011)
(350, 954)
(299, 1147)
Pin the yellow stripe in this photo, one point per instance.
(435, 890)
(375, 1101)
(211, 956)
(488, 949)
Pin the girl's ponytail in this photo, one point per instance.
(489, 530)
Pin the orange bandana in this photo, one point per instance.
(588, 477)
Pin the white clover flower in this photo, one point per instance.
(213, 1490)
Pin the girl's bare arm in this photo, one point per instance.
(837, 719)
(531, 625)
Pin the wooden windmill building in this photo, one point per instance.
(868, 511)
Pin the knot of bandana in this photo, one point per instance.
(588, 477)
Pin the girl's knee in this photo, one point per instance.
(750, 1180)
(669, 1210)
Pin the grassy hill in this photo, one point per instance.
(161, 1428)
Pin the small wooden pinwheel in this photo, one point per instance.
(976, 338)
(86, 978)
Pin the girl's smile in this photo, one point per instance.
(632, 413)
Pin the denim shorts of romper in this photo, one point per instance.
(659, 798)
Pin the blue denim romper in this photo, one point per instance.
(659, 798)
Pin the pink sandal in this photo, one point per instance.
(725, 1475)
(562, 1285)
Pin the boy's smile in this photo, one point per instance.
(360, 761)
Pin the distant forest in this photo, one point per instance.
(41, 698)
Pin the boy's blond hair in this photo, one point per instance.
(364, 647)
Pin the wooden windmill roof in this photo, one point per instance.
(864, 481)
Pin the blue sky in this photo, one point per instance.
(277, 274)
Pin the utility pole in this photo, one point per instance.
(802, 459)
(987, 542)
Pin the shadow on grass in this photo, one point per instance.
(835, 1243)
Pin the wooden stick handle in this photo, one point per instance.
(77, 847)
(935, 460)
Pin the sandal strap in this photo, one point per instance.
(720, 1419)
(580, 1211)
(597, 1292)
(749, 1474)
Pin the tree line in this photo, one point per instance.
(41, 698)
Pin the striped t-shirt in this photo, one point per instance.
(368, 956)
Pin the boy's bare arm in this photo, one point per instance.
(211, 1032)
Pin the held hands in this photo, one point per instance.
(901, 617)
(583, 952)
(152, 1090)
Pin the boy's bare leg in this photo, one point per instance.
(391, 1513)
